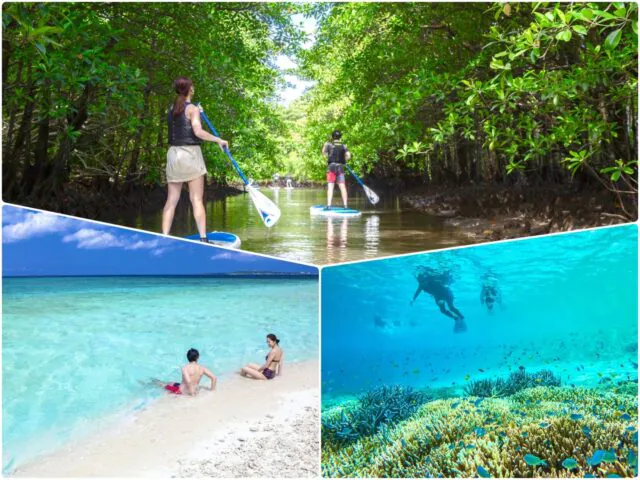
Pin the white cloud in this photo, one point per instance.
(140, 244)
(221, 256)
(90, 238)
(32, 224)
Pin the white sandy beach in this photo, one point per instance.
(246, 428)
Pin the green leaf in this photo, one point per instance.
(615, 176)
(634, 26)
(613, 39)
(564, 35)
(621, 12)
(580, 29)
(541, 18)
(41, 48)
(587, 13)
(604, 14)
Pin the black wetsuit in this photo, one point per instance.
(442, 294)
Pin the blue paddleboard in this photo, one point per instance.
(334, 211)
(222, 239)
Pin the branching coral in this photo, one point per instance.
(516, 381)
(466, 437)
(383, 405)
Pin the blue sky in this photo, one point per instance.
(38, 243)
(295, 86)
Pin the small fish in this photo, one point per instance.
(569, 463)
(533, 461)
(478, 402)
(404, 444)
(544, 424)
(455, 405)
(609, 456)
(589, 475)
(632, 459)
(612, 475)
(467, 377)
(630, 428)
(481, 370)
(576, 416)
(625, 416)
(379, 322)
(483, 472)
(479, 431)
(587, 431)
(470, 446)
(596, 458)
(438, 436)
(416, 371)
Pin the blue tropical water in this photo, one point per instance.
(75, 350)
(569, 304)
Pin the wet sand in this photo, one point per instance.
(246, 428)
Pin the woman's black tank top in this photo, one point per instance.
(180, 130)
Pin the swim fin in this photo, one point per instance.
(459, 326)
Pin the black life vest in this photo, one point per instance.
(338, 153)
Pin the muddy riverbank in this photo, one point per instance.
(110, 204)
(486, 213)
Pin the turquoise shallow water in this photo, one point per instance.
(76, 349)
(569, 304)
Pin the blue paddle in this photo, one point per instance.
(269, 212)
(371, 195)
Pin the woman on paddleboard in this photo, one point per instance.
(272, 363)
(185, 163)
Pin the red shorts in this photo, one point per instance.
(335, 172)
(175, 388)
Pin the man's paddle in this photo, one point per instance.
(269, 212)
(371, 195)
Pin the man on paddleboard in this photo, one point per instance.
(437, 285)
(337, 155)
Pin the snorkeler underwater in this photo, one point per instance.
(516, 359)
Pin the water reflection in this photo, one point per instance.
(337, 243)
(371, 236)
(384, 230)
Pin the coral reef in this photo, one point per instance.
(545, 431)
(520, 380)
(373, 409)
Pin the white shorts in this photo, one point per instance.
(185, 163)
